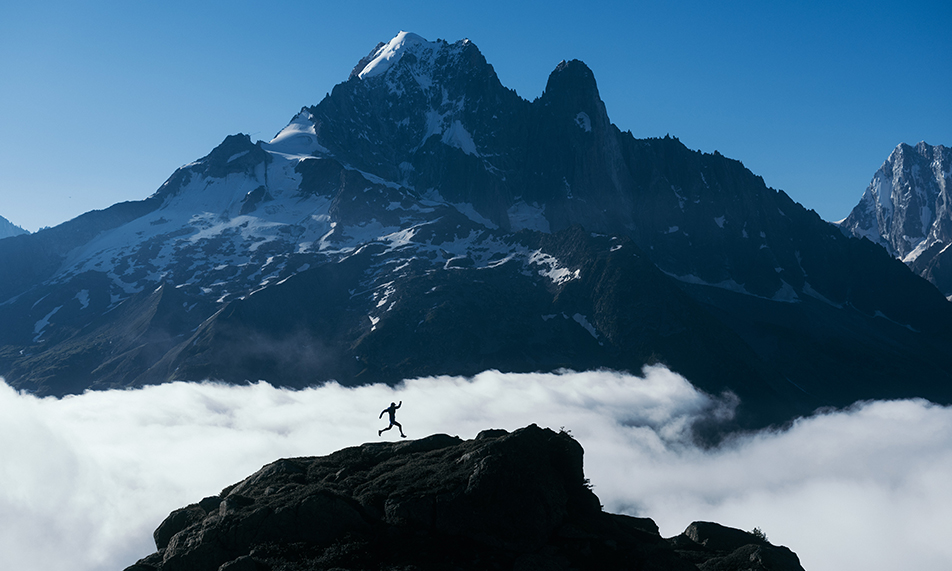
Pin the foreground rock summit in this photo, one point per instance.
(501, 501)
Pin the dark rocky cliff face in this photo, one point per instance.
(502, 501)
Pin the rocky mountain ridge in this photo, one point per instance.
(907, 209)
(422, 219)
(8, 229)
(501, 501)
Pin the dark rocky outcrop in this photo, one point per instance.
(501, 501)
(713, 547)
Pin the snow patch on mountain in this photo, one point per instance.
(434, 125)
(298, 139)
(457, 136)
(41, 325)
(552, 268)
(83, 298)
(523, 216)
(470, 212)
(402, 238)
(451, 133)
(583, 321)
(785, 293)
(347, 239)
(920, 249)
(583, 121)
(808, 290)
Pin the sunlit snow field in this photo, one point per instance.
(86, 479)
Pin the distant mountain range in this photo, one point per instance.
(907, 209)
(423, 219)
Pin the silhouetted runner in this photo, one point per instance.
(392, 410)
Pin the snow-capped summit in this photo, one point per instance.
(416, 112)
(907, 209)
(905, 199)
(422, 56)
(390, 53)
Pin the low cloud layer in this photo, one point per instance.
(85, 480)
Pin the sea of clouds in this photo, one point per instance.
(84, 480)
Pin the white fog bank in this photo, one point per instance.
(86, 479)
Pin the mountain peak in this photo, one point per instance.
(905, 210)
(573, 66)
(907, 152)
(573, 75)
(571, 91)
(406, 96)
(387, 55)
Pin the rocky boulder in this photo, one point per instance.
(713, 547)
(501, 501)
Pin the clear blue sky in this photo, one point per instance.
(101, 101)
